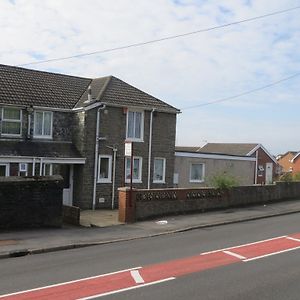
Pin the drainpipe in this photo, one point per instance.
(256, 165)
(33, 167)
(113, 179)
(41, 166)
(150, 148)
(96, 153)
(114, 149)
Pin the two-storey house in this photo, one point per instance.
(77, 127)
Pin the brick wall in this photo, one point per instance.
(148, 204)
(30, 202)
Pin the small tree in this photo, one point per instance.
(223, 181)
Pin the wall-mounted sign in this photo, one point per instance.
(128, 148)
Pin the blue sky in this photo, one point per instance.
(183, 72)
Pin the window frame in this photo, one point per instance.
(139, 179)
(203, 173)
(42, 136)
(135, 139)
(11, 121)
(23, 171)
(164, 170)
(50, 169)
(108, 179)
(7, 168)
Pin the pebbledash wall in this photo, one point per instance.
(113, 134)
(147, 204)
(31, 202)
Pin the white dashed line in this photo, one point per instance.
(235, 255)
(135, 274)
(293, 239)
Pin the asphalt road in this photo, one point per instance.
(273, 277)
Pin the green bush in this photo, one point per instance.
(296, 177)
(287, 177)
(223, 181)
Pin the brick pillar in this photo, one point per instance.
(126, 205)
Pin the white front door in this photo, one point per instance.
(68, 186)
(269, 173)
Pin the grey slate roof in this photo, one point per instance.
(187, 149)
(38, 149)
(228, 148)
(20, 86)
(119, 92)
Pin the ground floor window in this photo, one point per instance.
(159, 171)
(137, 169)
(47, 169)
(4, 169)
(23, 169)
(196, 172)
(104, 169)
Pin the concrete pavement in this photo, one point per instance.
(22, 242)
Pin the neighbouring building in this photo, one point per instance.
(194, 168)
(296, 164)
(266, 165)
(76, 127)
(286, 161)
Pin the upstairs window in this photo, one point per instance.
(43, 124)
(11, 121)
(135, 125)
(197, 173)
(159, 170)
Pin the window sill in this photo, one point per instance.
(103, 181)
(159, 182)
(196, 181)
(134, 140)
(134, 181)
(11, 135)
(43, 137)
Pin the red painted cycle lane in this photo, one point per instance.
(186, 266)
(265, 247)
(156, 273)
(78, 289)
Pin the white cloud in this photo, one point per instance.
(184, 72)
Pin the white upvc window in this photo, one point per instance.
(104, 168)
(197, 172)
(47, 169)
(135, 125)
(159, 170)
(43, 121)
(4, 169)
(137, 169)
(23, 169)
(11, 121)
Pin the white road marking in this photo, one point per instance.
(270, 254)
(127, 289)
(235, 255)
(293, 239)
(135, 274)
(249, 244)
(64, 283)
